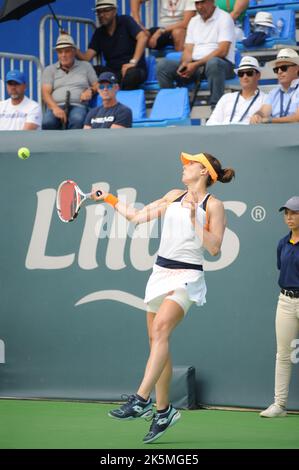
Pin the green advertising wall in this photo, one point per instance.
(72, 321)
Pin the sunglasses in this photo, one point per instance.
(107, 86)
(249, 73)
(103, 11)
(283, 68)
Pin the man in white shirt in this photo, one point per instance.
(238, 107)
(19, 113)
(174, 17)
(208, 52)
(282, 103)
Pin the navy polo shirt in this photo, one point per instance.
(103, 118)
(119, 48)
(288, 263)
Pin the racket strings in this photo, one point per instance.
(69, 201)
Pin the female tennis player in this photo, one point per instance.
(194, 220)
(287, 313)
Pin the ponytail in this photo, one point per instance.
(224, 175)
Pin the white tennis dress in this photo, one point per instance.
(180, 255)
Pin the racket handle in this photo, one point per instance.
(98, 193)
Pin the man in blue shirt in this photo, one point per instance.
(121, 42)
(282, 104)
(111, 114)
(287, 314)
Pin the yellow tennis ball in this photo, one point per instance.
(23, 153)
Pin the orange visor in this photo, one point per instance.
(200, 158)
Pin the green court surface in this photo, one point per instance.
(29, 424)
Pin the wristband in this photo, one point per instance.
(112, 200)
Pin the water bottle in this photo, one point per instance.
(280, 26)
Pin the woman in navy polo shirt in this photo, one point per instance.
(287, 314)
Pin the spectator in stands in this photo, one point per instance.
(19, 113)
(238, 107)
(174, 17)
(282, 103)
(236, 9)
(121, 42)
(208, 52)
(67, 87)
(111, 114)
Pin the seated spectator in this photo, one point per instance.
(121, 42)
(208, 52)
(237, 10)
(111, 114)
(238, 107)
(67, 87)
(282, 103)
(174, 17)
(19, 113)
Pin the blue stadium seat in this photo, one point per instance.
(162, 52)
(287, 35)
(279, 4)
(174, 56)
(133, 99)
(171, 108)
(151, 82)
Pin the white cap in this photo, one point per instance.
(105, 4)
(248, 62)
(64, 40)
(264, 18)
(285, 55)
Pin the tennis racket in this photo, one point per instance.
(69, 199)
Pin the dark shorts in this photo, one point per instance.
(164, 40)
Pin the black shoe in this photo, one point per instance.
(161, 422)
(134, 408)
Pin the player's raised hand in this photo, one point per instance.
(98, 195)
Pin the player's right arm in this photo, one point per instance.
(151, 211)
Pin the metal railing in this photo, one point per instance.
(28, 64)
(81, 30)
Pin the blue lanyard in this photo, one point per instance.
(284, 113)
(247, 110)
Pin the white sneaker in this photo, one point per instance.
(274, 411)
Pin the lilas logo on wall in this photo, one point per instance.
(104, 225)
